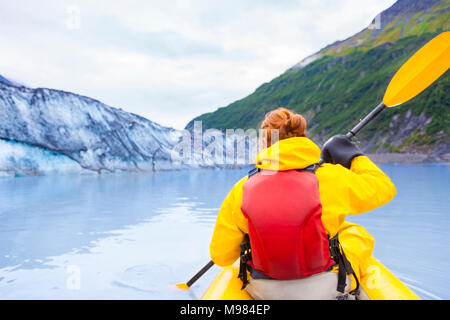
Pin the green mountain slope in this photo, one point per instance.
(347, 79)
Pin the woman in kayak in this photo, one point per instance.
(286, 219)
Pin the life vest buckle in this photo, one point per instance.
(335, 250)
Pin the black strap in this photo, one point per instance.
(335, 253)
(356, 290)
(246, 256)
(253, 171)
(344, 266)
(312, 168)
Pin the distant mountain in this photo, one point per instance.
(342, 82)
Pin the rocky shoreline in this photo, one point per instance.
(409, 158)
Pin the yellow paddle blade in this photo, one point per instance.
(183, 286)
(420, 71)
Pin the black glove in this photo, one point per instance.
(340, 150)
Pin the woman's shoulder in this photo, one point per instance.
(238, 185)
(235, 193)
(330, 170)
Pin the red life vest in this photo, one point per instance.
(287, 237)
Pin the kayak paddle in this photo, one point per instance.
(187, 285)
(414, 76)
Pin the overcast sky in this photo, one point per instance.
(170, 60)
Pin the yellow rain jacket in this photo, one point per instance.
(342, 192)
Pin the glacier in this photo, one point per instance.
(18, 158)
(44, 131)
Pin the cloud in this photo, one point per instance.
(168, 60)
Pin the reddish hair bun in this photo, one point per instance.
(288, 124)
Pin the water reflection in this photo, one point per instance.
(131, 236)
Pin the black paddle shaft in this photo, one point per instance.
(366, 120)
(363, 123)
(200, 273)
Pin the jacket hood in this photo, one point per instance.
(288, 154)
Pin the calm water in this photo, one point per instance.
(135, 236)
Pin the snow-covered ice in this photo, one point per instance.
(44, 130)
